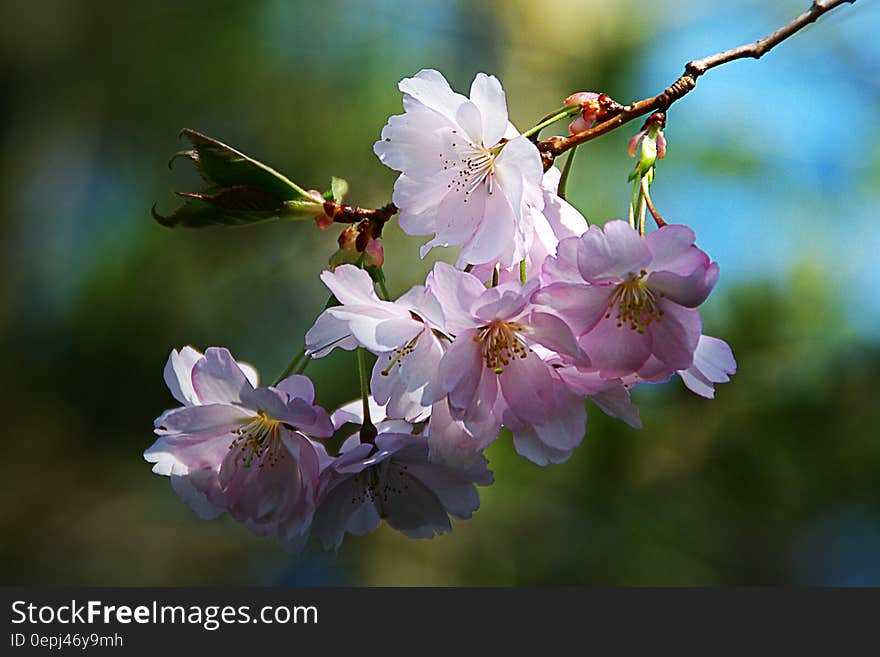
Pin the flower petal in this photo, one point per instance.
(616, 351)
(217, 378)
(689, 291)
(351, 285)
(676, 335)
(328, 332)
(673, 250)
(202, 418)
(552, 332)
(580, 306)
(431, 89)
(488, 95)
(612, 252)
(298, 387)
(178, 374)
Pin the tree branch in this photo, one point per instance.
(556, 146)
(347, 214)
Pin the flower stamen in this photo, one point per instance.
(637, 304)
(502, 342)
(259, 438)
(400, 352)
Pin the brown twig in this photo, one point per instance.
(556, 146)
(347, 214)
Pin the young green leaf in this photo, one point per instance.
(242, 190)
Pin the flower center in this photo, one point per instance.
(475, 165)
(636, 303)
(379, 483)
(259, 438)
(502, 342)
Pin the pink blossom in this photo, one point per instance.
(467, 176)
(240, 448)
(404, 334)
(629, 298)
(395, 479)
(492, 374)
(610, 395)
(588, 101)
(558, 220)
(713, 363)
(452, 442)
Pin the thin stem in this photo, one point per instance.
(555, 147)
(566, 112)
(522, 272)
(553, 113)
(290, 367)
(368, 429)
(381, 283)
(302, 368)
(634, 203)
(495, 276)
(566, 170)
(641, 215)
(647, 196)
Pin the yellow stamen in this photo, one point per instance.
(502, 342)
(637, 304)
(259, 438)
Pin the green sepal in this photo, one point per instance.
(338, 189)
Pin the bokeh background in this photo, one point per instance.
(774, 163)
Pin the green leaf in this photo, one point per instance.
(223, 166)
(242, 190)
(198, 214)
(338, 188)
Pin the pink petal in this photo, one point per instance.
(298, 387)
(689, 291)
(563, 267)
(673, 250)
(580, 306)
(328, 332)
(351, 285)
(488, 95)
(528, 388)
(217, 378)
(456, 291)
(675, 335)
(616, 351)
(203, 418)
(431, 89)
(552, 332)
(178, 374)
(495, 230)
(470, 120)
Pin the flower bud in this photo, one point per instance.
(588, 102)
(375, 254)
(649, 143)
(355, 242)
(347, 251)
(321, 218)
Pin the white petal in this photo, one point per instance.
(178, 374)
(488, 95)
(429, 88)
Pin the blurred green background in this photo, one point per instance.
(773, 163)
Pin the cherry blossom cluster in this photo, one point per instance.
(540, 312)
